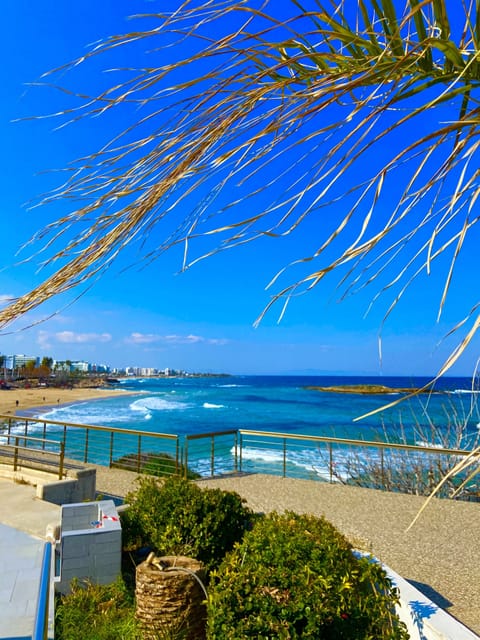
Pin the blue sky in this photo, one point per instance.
(200, 320)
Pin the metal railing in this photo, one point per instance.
(385, 465)
(45, 599)
(273, 440)
(210, 448)
(108, 446)
(33, 453)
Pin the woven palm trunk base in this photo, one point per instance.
(170, 600)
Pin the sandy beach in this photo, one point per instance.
(13, 400)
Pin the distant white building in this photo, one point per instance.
(61, 365)
(143, 372)
(147, 371)
(81, 366)
(71, 365)
(19, 361)
(100, 368)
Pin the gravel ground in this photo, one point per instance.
(440, 555)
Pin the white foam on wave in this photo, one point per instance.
(87, 413)
(155, 403)
(429, 445)
(317, 463)
(77, 413)
(105, 413)
(306, 460)
(19, 428)
(269, 455)
(231, 386)
(210, 405)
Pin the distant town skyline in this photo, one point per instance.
(18, 362)
(202, 319)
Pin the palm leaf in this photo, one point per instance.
(314, 91)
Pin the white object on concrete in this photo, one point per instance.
(90, 545)
(424, 619)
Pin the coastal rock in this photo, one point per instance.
(371, 389)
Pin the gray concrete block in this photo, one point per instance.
(93, 550)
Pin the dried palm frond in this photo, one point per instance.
(357, 120)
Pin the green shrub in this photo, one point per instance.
(154, 464)
(162, 465)
(295, 576)
(96, 612)
(175, 516)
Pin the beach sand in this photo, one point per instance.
(13, 400)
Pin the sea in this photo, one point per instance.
(287, 404)
(292, 406)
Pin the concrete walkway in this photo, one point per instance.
(440, 555)
(24, 521)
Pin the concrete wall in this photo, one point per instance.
(80, 485)
(79, 488)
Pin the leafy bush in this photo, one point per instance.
(96, 612)
(176, 517)
(154, 464)
(295, 576)
(162, 465)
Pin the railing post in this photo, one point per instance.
(241, 453)
(382, 467)
(85, 459)
(26, 433)
(212, 458)
(330, 450)
(110, 463)
(139, 453)
(176, 456)
(284, 457)
(9, 426)
(15, 454)
(62, 459)
(235, 463)
(44, 435)
(185, 459)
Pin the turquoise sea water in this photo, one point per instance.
(283, 404)
(280, 404)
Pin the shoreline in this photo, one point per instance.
(37, 400)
